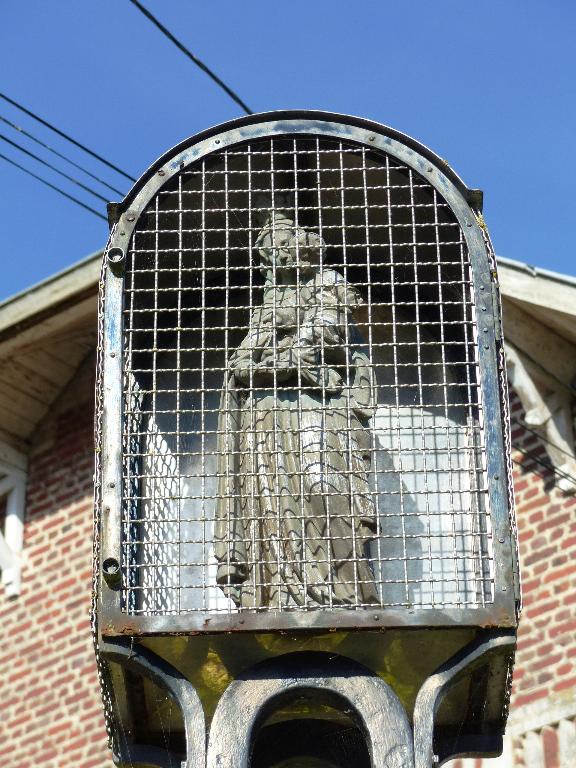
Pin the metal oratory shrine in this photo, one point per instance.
(305, 552)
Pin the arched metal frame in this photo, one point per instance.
(502, 611)
(333, 680)
(376, 707)
(144, 662)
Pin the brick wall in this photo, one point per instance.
(546, 663)
(50, 708)
(544, 686)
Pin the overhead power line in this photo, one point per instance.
(65, 136)
(568, 387)
(60, 155)
(195, 59)
(53, 186)
(543, 438)
(547, 465)
(52, 167)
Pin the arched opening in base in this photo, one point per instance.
(307, 733)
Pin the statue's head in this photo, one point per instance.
(282, 245)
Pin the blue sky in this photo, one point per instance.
(488, 85)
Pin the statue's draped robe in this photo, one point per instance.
(294, 511)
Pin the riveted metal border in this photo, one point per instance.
(501, 612)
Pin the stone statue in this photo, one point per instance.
(294, 513)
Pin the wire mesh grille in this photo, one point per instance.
(302, 412)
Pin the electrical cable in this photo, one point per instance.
(541, 437)
(61, 156)
(65, 136)
(54, 187)
(52, 167)
(545, 464)
(568, 387)
(186, 52)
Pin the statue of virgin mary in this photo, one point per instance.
(294, 512)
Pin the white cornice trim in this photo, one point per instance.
(540, 288)
(59, 288)
(549, 711)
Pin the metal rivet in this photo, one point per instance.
(468, 223)
(503, 589)
(481, 287)
(483, 309)
(501, 539)
(486, 346)
(112, 485)
(131, 217)
(376, 617)
(496, 477)
(371, 138)
(485, 330)
(216, 141)
(429, 169)
(161, 172)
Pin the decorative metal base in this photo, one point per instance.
(327, 681)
